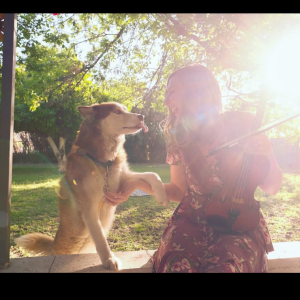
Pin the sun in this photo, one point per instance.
(281, 70)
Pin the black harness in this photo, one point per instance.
(105, 165)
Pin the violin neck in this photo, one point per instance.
(259, 115)
(248, 158)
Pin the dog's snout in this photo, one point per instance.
(141, 117)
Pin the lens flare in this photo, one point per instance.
(281, 68)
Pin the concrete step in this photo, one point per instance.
(285, 259)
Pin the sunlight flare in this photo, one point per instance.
(280, 69)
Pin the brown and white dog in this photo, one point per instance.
(96, 163)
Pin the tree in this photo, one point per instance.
(46, 104)
(221, 41)
(32, 28)
(149, 146)
(130, 56)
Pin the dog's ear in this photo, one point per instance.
(86, 111)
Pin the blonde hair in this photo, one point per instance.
(202, 105)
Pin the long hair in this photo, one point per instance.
(202, 106)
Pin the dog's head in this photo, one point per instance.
(113, 117)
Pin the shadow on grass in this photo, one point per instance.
(34, 210)
(282, 210)
(139, 224)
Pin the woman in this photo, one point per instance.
(195, 125)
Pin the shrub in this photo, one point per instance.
(31, 158)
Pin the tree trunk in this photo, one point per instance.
(60, 153)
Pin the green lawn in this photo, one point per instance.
(139, 222)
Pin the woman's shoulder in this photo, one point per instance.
(173, 158)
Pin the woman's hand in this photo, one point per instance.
(257, 145)
(261, 145)
(127, 188)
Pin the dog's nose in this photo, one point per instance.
(141, 117)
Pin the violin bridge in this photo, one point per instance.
(238, 200)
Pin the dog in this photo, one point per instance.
(97, 163)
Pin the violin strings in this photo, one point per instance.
(243, 179)
(241, 182)
(245, 169)
(234, 205)
(248, 161)
(248, 164)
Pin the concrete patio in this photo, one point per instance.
(285, 259)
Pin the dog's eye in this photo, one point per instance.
(117, 112)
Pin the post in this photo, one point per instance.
(6, 133)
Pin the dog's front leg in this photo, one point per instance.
(156, 185)
(91, 219)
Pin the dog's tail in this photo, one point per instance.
(37, 243)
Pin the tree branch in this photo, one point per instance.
(107, 48)
(89, 39)
(182, 31)
(85, 68)
(243, 94)
(157, 72)
(63, 21)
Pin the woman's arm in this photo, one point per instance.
(174, 190)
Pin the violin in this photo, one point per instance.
(234, 209)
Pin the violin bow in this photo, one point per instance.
(254, 132)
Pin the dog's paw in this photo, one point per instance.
(113, 263)
(161, 197)
(163, 200)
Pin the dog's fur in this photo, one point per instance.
(82, 225)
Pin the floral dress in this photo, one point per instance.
(188, 243)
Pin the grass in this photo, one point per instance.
(139, 222)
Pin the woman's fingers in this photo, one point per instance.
(113, 194)
(114, 198)
(111, 203)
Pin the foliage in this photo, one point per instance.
(69, 59)
(47, 97)
(133, 54)
(154, 44)
(32, 29)
(149, 146)
(33, 158)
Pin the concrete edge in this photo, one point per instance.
(285, 259)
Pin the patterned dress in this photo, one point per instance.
(188, 244)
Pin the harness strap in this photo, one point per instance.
(98, 162)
